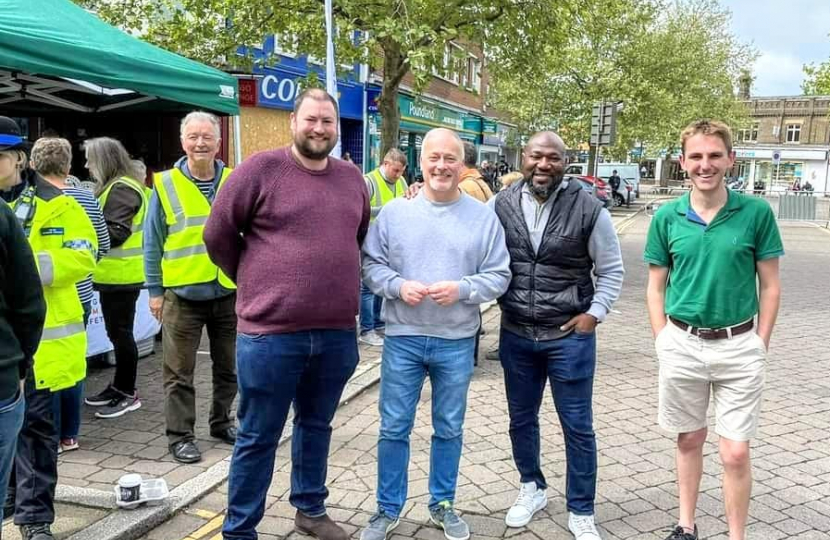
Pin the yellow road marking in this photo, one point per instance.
(207, 514)
(207, 528)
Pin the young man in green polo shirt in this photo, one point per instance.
(705, 252)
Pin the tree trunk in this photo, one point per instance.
(394, 69)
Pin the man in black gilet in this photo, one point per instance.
(558, 237)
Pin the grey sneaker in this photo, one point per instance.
(371, 338)
(119, 405)
(445, 517)
(380, 525)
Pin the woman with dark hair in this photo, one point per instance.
(119, 276)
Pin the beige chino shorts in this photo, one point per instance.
(731, 370)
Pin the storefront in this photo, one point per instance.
(267, 100)
(495, 141)
(757, 167)
(417, 117)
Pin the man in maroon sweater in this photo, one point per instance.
(287, 228)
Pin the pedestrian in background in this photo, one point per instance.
(188, 292)
(472, 182)
(559, 238)
(64, 243)
(384, 183)
(433, 284)
(288, 228)
(119, 276)
(52, 158)
(705, 333)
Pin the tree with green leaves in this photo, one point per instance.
(817, 79)
(665, 63)
(397, 37)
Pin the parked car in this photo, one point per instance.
(629, 173)
(595, 186)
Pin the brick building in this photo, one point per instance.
(796, 128)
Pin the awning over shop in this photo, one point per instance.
(54, 55)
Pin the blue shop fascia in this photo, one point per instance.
(272, 90)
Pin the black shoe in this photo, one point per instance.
(679, 533)
(36, 531)
(227, 435)
(186, 452)
(103, 398)
(8, 506)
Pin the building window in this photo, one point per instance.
(749, 134)
(793, 133)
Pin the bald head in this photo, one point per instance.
(547, 138)
(543, 163)
(442, 158)
(444, 136)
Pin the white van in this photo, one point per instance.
(628, 172)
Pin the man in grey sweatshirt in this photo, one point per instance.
(433, 259)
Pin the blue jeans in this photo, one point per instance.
(407, 360)
(11, 420)
(569, 364)
(310, 369)
(68, 403)
(370, 306)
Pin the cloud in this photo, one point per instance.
(787, 35)
(777, 74)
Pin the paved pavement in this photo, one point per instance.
(636, 492)
(636, 489)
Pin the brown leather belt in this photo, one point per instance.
(714, 333)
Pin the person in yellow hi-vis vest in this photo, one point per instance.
(65, 245)
(187, 291)
(385, 183)
(119, 276)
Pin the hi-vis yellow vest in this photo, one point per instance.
(124, 265)
(65, 247)
(185, 260)
(382, 193)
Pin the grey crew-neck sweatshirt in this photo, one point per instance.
(429, 242)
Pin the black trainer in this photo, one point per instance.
(37, 531)
(679, 533)
(103, 398)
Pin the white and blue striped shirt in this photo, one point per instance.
(90, 205)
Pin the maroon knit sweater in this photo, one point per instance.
(290, 239)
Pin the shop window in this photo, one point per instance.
(779, 176)
(793, 133)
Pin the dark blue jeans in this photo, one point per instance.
(370, 306)
(310, 369)
(569, 364)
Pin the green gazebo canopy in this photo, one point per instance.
(56, 55)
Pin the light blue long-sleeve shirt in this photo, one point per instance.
(428, 242)
(155, 234)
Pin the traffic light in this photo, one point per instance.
(603, 124)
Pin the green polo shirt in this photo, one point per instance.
(712, 276)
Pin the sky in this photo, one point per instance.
(787, 34)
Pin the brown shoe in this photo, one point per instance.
(319, 527)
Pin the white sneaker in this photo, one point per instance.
(583, 527)
(531, 499)
(371, 338)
